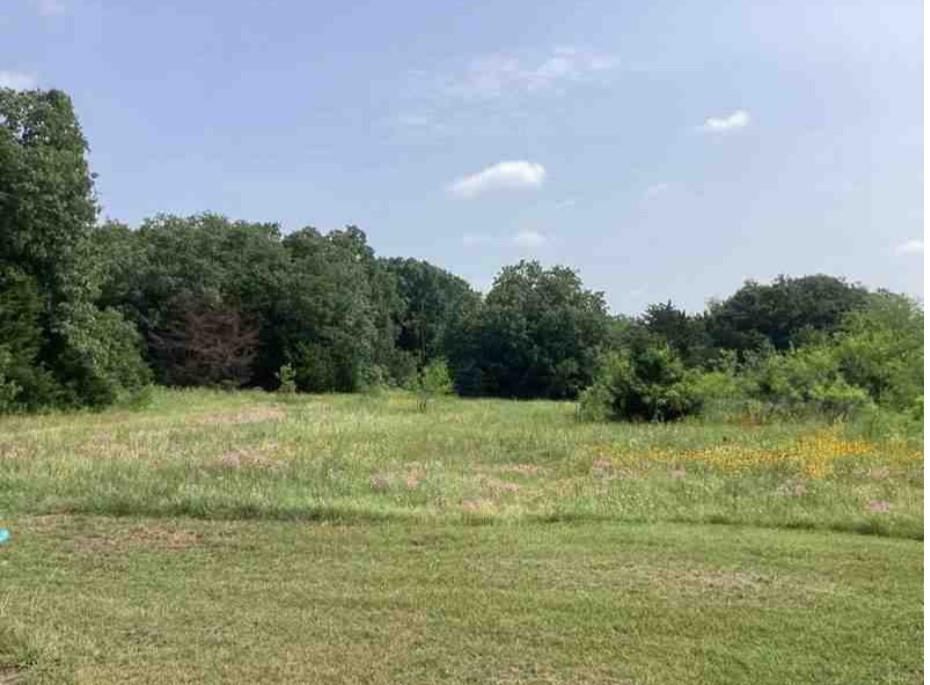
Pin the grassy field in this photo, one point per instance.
(245, 538)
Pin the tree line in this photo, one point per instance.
(92, 313)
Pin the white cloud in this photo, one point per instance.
(655, 189)
(565, 204)
(503, 175)
(909, 247)
(17, 80)
(730, 122)
(493, 75)
(493, 92)
(529, 239)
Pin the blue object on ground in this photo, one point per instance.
(4, 535)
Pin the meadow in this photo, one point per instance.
(253, 537)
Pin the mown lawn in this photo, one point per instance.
(241, 538)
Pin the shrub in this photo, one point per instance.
(648, 383)
(881, 349)
(807, 379)
(287, 380)
(434, 380)
(373, 379)
(722, 393)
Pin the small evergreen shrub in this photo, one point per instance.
(649, 383)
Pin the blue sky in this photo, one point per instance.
(665, 149)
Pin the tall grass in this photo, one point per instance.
(369, 457)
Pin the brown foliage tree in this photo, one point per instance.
(206, 343)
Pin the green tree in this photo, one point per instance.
(327, 322)
(27, 384)
(684, 333)
(82, 355)
(538, 334)
(235, 267)
(783, 312)
(434, 305)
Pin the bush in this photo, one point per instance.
(722, 394)
(434, 380)
(649, 383)
(326, 368)
(881, 349)
(287, 380)
(807, 379)
(877, 423)
(373, 379)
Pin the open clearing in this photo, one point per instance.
(241, 538)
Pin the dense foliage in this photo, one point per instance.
(90, 313)
(57, 347)
(782, 313)
(538, 333)
(644, 382)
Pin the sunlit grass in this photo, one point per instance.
(246, 537)
(375, 457)
(102, 600)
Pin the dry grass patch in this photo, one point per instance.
(246, 458)
(522, 469)
(792, 488)
(478, 506)
(12, 675)
(605, 469)
(12, 450)
(152, 536)
(413, 478)
(380, 482)
(497, 488)
(235, 418)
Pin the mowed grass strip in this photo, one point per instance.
(103, 600)
(370, 458)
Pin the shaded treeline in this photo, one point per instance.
(91, 313)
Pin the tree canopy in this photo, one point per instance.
(538, 333)
(59, 347)
(780, 313)
(91, 312)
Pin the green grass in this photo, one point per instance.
(241, 538)
(354, 458)
(102, 600)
